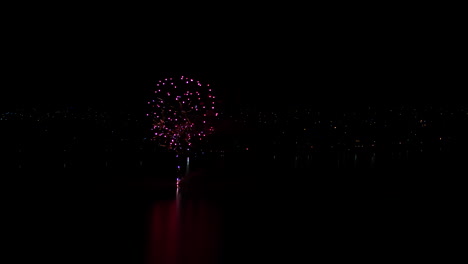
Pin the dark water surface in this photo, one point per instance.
(143, 220)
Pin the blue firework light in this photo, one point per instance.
(183, 111)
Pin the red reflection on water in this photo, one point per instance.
(184, 232)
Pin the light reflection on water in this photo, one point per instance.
(231, 230)
(180, 230)
(183, 231)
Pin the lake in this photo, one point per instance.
(258, 216)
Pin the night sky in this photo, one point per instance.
(270, 78)
(269, 60)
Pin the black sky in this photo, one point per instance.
(317, 75)
(267, 60)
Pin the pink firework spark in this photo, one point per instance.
(178, 112)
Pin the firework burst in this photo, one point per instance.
(182, 111)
